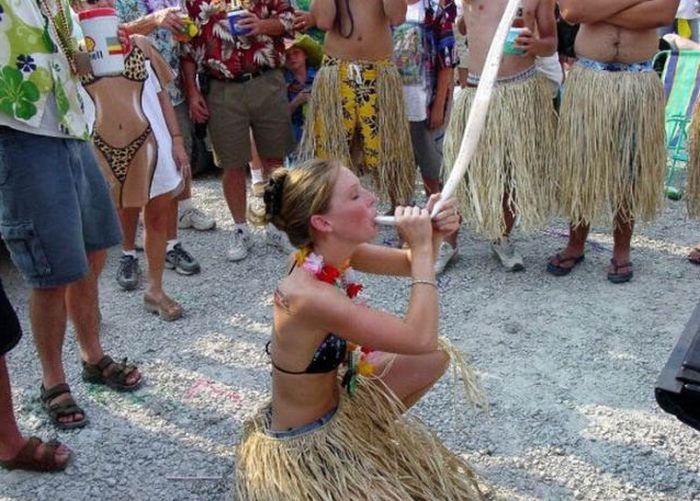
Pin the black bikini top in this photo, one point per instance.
(328, 356)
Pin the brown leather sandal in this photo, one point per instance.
(110, 373)
(166, 308)
(63, 409)
(26, 460)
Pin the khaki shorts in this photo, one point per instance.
(259, 104)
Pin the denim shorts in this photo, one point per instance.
(301, 430)
(55, 207)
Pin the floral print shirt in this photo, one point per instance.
(225, 56)
(438, 42)
(33, 69)
(131, 10)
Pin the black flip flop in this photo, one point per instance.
(620, 278)
(558, 270)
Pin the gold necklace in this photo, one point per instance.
(57, 23)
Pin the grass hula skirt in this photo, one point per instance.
(692, 189)
(516, 155)
(612, 146)
(370, 450)
(325, 136)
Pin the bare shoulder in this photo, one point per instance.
(300, 294)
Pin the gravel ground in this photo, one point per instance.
(569, 365)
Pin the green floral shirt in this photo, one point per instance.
(32, 67)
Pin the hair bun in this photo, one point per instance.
(274, 192)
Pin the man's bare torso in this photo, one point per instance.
(482, 18)
(371, 34)
(608, 43)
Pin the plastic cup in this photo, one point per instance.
(190, 30)
(509, 47)
(233, 17)
(100, 30)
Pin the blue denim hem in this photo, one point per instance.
(301, 430)
(592, 64)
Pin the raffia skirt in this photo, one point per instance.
(517, 155)
(612, 137)
(364, 99)
(369, 450)
(692, 190)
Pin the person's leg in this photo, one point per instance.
(186, 214)
(620, 268)
(48, 315)
(566, 259)
(157, 216)
(427, 155)
(411, 376)
(234, 184)
(11, 440)
(129, 219)
(82, 306)
(509, 215)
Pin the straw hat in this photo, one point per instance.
(314, 52)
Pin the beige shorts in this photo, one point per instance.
(260, 105)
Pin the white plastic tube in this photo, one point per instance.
(477, 113)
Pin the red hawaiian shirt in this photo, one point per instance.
(225, 56)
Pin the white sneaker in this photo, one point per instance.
(256, 205)
(278, 239)
(195, 218)
(506, 253)
(445, 256)
(240, 246)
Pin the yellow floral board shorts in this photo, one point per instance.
(361, 103)
(358, 93)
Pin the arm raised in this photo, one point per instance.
(325, 307)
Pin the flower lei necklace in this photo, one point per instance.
(344, 279)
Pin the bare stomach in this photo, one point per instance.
(367, 48)
(510, 65)
(607, 43)
(298, 400)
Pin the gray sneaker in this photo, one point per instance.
(129, 272)
(446, 255)
(240, 246)
(507, 255)
(181, 261)
(195, 218)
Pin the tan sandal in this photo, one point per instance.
(166, 308)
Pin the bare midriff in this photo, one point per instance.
(607, 43)
(302, 399)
